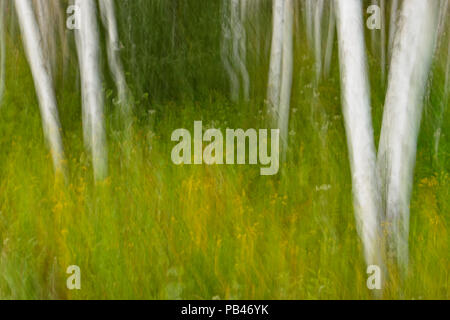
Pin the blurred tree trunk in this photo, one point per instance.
(411, 61)
(88, 48)
(276, 57)
(330, 39)
(239, 41)
(286, 75)
(225, 50)
(107, 11)
(42, 80)
(318, 13)
(383, 42)
(358, 125)
(309, 20)
(392, 25)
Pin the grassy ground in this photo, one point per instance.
(154, 230)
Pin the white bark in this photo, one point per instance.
(42, 80)
(318, 12)
(88, 48)
(276, 56)
(309, 20)
(226, 49)
(2, 50)
(383, 41)
(411, 60)
(392, 25)
(239, 46)
(330, 40)
(287, 73)
(45, 21)
(113, 51)
(358, 124)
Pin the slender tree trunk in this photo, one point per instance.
(330, 39)
(2, 50)
(113, 51)
(309, 13)
(318, 12)
(287, 72)
(392, 25)
(88, 47)
(226, 49)
(276, 56)
(42, 80)
(411, 60)
(44, 19)
(239, 46)
(383, 41)
(358, 124)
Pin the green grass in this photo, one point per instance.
(153, 230)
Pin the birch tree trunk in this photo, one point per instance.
(383, 41)
(2, 50)
(113, 51)
(239, 46)
(44, 19)
(411, 60)
(276, 56)
(309, 13)
(318, 12)
(88, 48)
(42, 80)
(392, 25)
(225, 50)
(358, 125)
(287, 73)
(330, 39)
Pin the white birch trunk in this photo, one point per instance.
(318, 12)
(88, 47)
(113, 51)
(309, 13)
(411, 60)
(392, 25)
(383, 41)
(239, 46)
(358, 124)
(330, 40)
(287, 73)
(276, 56)
(226, 49)
(42, 80)
(45, 21)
